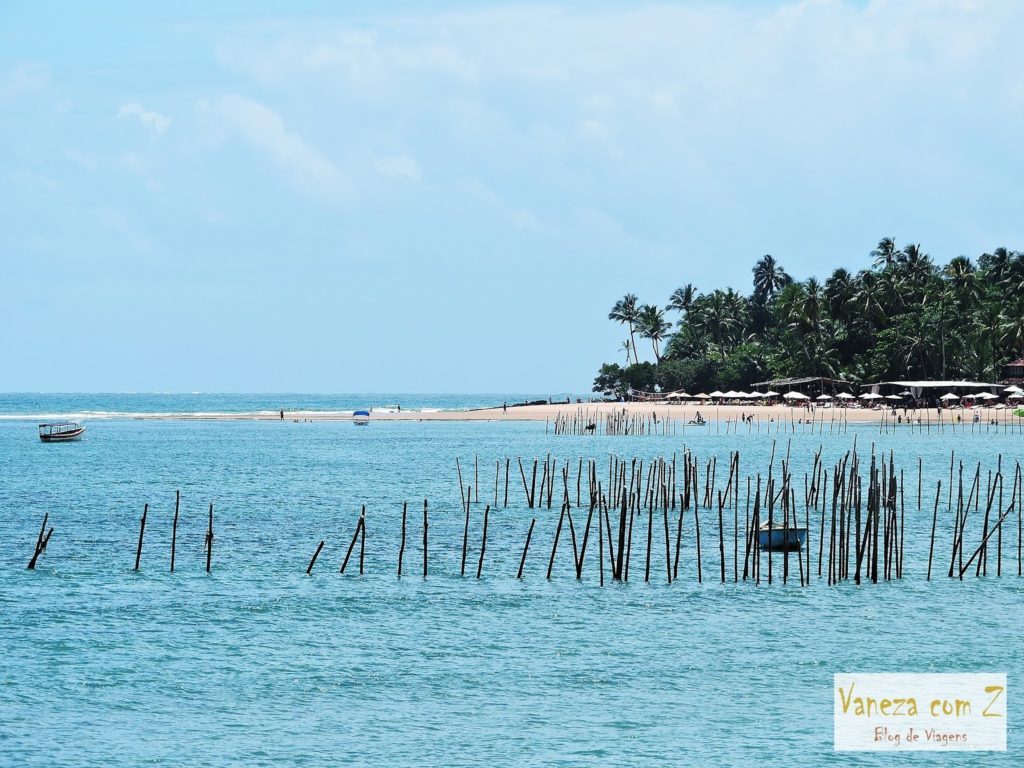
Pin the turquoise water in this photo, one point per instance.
(257, 663)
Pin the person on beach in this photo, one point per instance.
(504, 407)
(282, 414)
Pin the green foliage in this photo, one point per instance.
(905, 316)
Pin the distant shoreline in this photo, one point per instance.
(548, 412)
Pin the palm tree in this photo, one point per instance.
(653, 325)
(627, 347)
(885, 252)
(625, 312)
(769, 278)
(839, 293)
(681, 300)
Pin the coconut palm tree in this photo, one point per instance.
(626, 312)
(653, 325)
(769, 278)
(681, 300)
(627, 347)
(885, 252)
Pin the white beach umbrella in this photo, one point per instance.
(755, 393)
(731, 393)
(870, 396)
(677, 396)
(1015, 395)
(795, 396)
(845, 396)
(986, 396)
(893, 397)
(742, 395)
(703, 396)
(1013, 388)
(716, 393)
(949, 396)
(769, 393)
(823, 397)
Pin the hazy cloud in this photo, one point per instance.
(24, 77)
(398, 167)
(266, 131)
(152, 121)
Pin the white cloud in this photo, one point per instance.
(265, 130)
(398, 167)
(24, 77)
(152, 121)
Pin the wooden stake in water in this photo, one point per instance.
(209, 540)
(174, 527)
(316, 554)
(142, 532)
(526, 548)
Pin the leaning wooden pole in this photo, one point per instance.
(174, 527)
(401, 547)
(142, 532)
(526, 548)
(309, 569)
(483, 543)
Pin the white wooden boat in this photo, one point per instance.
(61, 432)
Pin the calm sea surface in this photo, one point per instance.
(257, 663)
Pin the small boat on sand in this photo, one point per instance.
(780, 539)
(61, 432)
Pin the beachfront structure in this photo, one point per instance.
(1013, 372)
(808, 385)
(928, 390)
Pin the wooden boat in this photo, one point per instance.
(61, 432)
(779, 539)
(362, 418)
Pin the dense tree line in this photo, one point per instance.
(904, 317)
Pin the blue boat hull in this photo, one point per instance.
(779, 540)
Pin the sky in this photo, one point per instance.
(449, 197)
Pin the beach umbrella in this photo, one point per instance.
(731, 393)
(795, 396)
(845, 396)
(742, 395)
(703, 396)
(949, 396)
(676, 396)
(769, 393)
(823, 397)
(1013, 388)
(905, 393)
(893, 397)
(755, 393)
(1015, 395)
(870, 396)
(987, 396)
(716, 393)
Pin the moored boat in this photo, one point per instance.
(780, 539)
(361, 417)
(61, 432)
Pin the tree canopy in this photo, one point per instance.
(905, 316)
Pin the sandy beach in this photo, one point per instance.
(592, 411)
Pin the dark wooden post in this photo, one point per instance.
(174, 527)
(316, 554)
(209, 540)
(401, 547)
(142, 531)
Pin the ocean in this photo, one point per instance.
(257, 663)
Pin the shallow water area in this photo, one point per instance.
(257, 663)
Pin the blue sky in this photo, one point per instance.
(450, 196)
